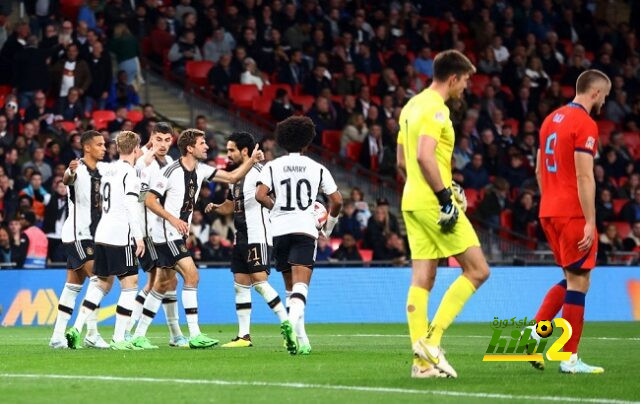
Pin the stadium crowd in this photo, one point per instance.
(350, 66)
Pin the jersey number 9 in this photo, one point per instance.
(106, 197)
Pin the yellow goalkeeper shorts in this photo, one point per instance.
(427, 241)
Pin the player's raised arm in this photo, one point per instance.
(587, 196)
(231, 177)
(69, 176)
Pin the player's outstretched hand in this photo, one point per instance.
(458, 194)
(139, 247)
(211, 207)
(587, 241)
(448, 211)
(257, 155)
(181, 226)
(73, 165)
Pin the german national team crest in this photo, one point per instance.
(183, 248)
(89, 251)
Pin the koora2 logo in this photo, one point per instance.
(523, 347)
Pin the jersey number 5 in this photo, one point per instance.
(550, 159)
(301, 206)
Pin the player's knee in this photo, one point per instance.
(478, 273)
(191, 278)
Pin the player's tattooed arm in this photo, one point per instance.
(263, 198)
(231, 177)
(224, 208)
(69, 176)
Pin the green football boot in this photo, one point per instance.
(202, 341)
(73, 338)
(304, 350)
(124, 346)
(290, 340)
(143, 342)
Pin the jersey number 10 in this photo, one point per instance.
(550, 160)
(287, 184)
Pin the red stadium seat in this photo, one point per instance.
(270, 90)
(367, 255)
(363, 77)
(568, 46)
(262, 105)
(567, 91)
(605, 127)
(331, 140)
(353, 151)
(473, 198)
(135, 116)
(102, 117)
(478, 83)
(242, 95)
(305, 100)
(515, 125)
(198, 72)
(624, 229)
(506, 221)
(632, 139)
(69, 126)
(618, 204)
(374, 78)
(4, 90)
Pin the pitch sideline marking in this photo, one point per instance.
(316, 386)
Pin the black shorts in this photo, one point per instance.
(78, 253)
(170, 253)
(250, 258)
(294, 250)
(150, 258)
(111, 260)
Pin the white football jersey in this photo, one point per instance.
(85, 206)
(295, 180)
(250, 219)
(148, 174)
(120, 220)
(178, 190)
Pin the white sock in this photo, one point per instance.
(66, 303)
(297, 301)
(243, 308)
(92, 300)
(273, 300)
(287, 299)
(301, 333)
(137, 309)
(170, 306)
(190, 303)
(92, 320)
(123, 312)
(151, 307)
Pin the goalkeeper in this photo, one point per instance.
(433, 210)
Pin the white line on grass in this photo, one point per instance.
(367, 389)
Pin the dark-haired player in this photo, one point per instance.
(83, 181)
(436, 227)
(250, 262)
(294, 181)
(564, 170)
(179, 187)
(149, 166)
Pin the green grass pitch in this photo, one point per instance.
(354, 363)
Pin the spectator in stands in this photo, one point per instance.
(632, 242)
(39, 165)
(462, 152)
(39, 111)
(70, 72)
(3, 30)
(183, 51)
(617, 109)
(117, 12)
(251, 74)
(10, 197)
(424, 62)
(11, 166)
(355, 131)
(323, 250)
(525, 213)
(609, 242)
(488, 63)
(101, 78)
(348, 222)
(373, 148)
(126, 48)
(117, 124)
(388, 83)
(323, 116)
(222, 43)
(516, 173)
(161, 40)
(148, 117)
(393, 250)
(55, 215)
(495, 201)
(348, 250)
(87, 13)
(349, 83)
(604, 209)
(70, 106)
(631, 210)
(199, 228)
(475, 174)
(37, 193)
(377, 228)
(365, 61)
(213, 250)
(9, 251)
(617, 143)
(614, 166)
(122, 94)
(11, 47)
(7, 138)
(364, 101)
(19, 243)
(316, 82)
(295, 70)
(282, 107)
(629, 188)
(30, 71)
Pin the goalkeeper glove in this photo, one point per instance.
(448, 210)
(459, 196)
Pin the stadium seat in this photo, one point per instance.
(515, 125)
(374, 78)
(305, 100)
(353, 151)
(567, 91)
(367, 255)
(101, 117)
(363, 77)
(198, 72)
(69, 126)
(473, 198)
(624, 229)
(4, 90)
(506, 221)
(331, 140)
(632, 139)
(478, 83)
(262, 105)
(618, 204)
(605, 127)
(242, 95)
(270, 90)
(135, 116)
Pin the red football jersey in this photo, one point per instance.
(566, 130)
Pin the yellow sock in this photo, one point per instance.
(452, 303)
(417, 300)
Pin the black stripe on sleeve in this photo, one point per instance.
(583, 150)
(133, 194)
(215, 171)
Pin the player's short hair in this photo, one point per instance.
(188, 138)
(127, 141)
(295, 133)
(588, 78)
(88, 136)
(243, 140)
(163, 127)
(451, 62)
